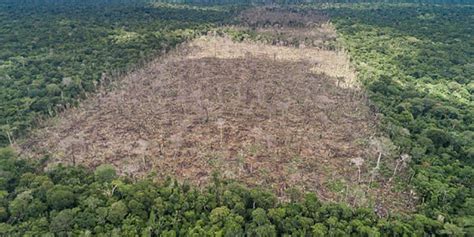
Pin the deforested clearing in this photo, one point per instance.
(270, 115)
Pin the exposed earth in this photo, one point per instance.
(269, 114)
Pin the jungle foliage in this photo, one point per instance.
(416, 63)
(53, 53)
(299, 2)
(74, 201)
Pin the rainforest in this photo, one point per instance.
(236, 118)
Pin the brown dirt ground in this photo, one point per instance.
(272, 116)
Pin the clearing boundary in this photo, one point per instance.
(270, 115)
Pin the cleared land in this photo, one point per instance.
(268, 115)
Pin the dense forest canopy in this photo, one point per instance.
(419, 72)
(415, 61)
(54, 53)
(295, 2)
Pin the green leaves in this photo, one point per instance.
(60, 50)
(63, 222)
(60, 197)
(105, 173)
(117, 212)
(415, 62)
(55, 204)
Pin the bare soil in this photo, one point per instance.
(272, 116)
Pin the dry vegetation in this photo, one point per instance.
(267, 115)
(284, 28)
(278, 17)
